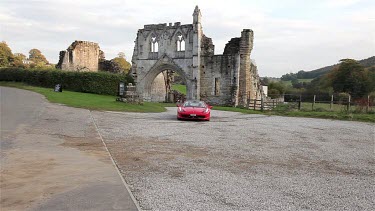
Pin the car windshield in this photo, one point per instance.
(198, 104)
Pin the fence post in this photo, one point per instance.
(331, 105)
(261, 103)
(255, 104)
(349, 103)
(368, 104)
(300, 102)
(313, 103)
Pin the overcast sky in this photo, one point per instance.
(290, 35)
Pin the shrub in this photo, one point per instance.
(90, 82)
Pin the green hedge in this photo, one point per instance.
(90, 82)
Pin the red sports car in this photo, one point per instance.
(194, 109)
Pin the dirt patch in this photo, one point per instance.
(142, 155)
(91, 144)
(19, 179)
(93, 147)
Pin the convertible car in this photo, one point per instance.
(194, 109)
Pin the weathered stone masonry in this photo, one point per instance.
(80, 56)
(227, 79)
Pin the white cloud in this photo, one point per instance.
(340, 3)
(289, 36)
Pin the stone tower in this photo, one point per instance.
(197, 36)
(246, 45)
(80, 56)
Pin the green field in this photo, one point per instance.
(109, 103)
(325, 107)
(180, 88)
(90, 101)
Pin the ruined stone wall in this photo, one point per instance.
(228, 79)
(231, 78)
(80, 56)
(218, 79)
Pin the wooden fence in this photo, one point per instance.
(299, 102)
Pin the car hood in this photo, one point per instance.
(193, 109)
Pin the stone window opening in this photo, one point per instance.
(217, 86)
(154, 45)
(180, 43)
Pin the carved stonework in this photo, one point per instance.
(219, 79)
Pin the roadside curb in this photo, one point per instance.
(114, 163)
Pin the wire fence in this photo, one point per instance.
(336, 102)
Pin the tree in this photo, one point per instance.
(288, 77)
(121, 55)
(115, 65)
(265, 81)
(279, 86)
(6, 55)
(37, 57)
(124, 66)
(101, 56)
(19, 59)
(350, 77)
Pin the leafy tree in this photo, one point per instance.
(279, 86)
(301, 74)
(18, 60)
(121, 55)
(6, 55)
(350, 77)
(115, 65)
(124, 66)
(265, 81)
(288, 77)
(101, 56)
(37, 57)
(273, 93)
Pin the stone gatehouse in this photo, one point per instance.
(227, 79)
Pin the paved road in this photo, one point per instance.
(52, 158)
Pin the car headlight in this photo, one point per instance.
(206, 110)
(180, 109)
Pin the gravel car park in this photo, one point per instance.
(242, 162)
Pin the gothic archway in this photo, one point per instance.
(146, 83)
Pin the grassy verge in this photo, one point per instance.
(108, 103)
(89, 101)
(285, 111)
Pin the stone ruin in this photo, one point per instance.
(227, 79)
(80, 56)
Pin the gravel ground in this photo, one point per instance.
(242, 162)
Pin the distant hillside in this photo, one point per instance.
(321, 71)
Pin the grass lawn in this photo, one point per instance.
(109, 103)
(180, 88)
(307, 106)
(90, 101)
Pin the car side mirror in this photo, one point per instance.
(210, 107)
(178, 104)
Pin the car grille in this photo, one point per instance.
(192, 117)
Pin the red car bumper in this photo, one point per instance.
(181, 115)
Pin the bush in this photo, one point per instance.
(89, 82)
